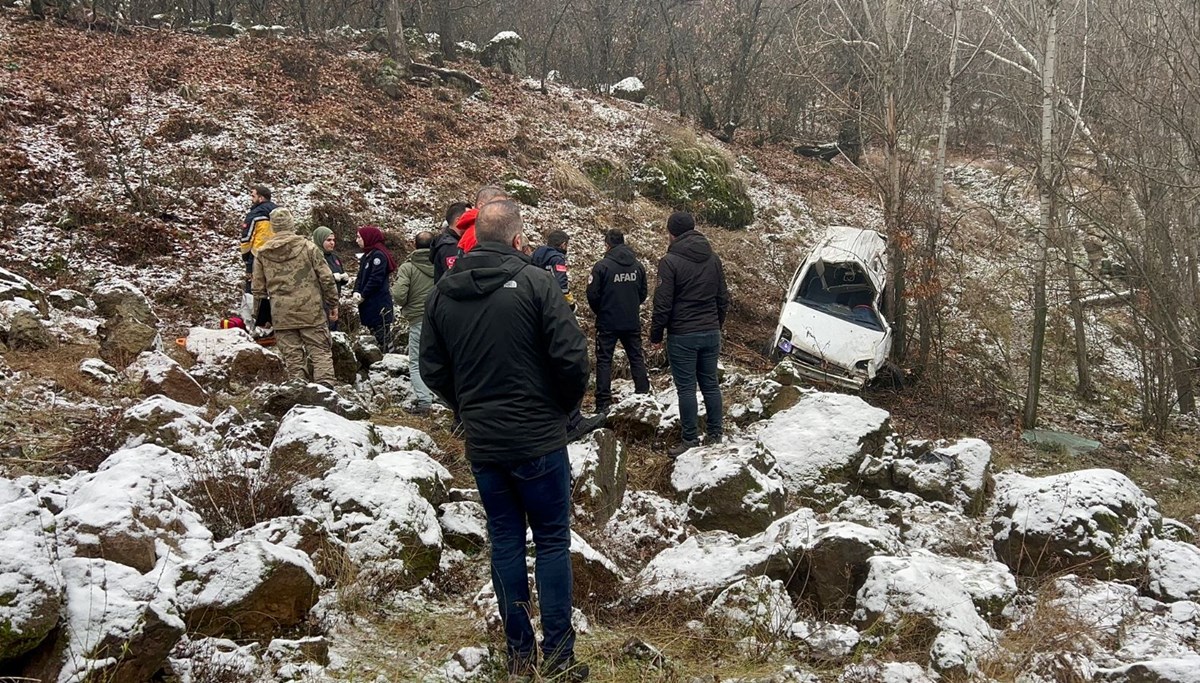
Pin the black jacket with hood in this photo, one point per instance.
(501, 346)
(443, 252)
(691, 296)
(616, 290)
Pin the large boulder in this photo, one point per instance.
(232, 356)
(1174, 571)
(596, 579)
(1094, 522)
(168, 423)
(69, 300)
(13, 286)
(367, 350)
(120, 625)
(123, 339)
(312, 440)
(637, 416)
(26, 331)
(391, 531)
(951, 595)
(118, 298)
(644, 525)
(1182, 669)
(819, 443)
(247, 587)
(631, 89)
(464, 526)
(755, 606)
(157, 373)
(299, 532)
(959, 474)
(598, 475)
(834, 564)
(734, 487)
(345, 363)
(506, 51)
(277, 400)
(30, 585)
(126, 514)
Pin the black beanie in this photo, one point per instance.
(680, 222)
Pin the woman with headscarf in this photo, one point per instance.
(324, 239)
(371, 291)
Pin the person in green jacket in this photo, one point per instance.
(414, 282)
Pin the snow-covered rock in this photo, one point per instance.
(298, 532)
(505, 51)
(116, 297)
(644, 525)
(311, 440)
(753, 606)
(247, 587)
(367, 351)
(952, 594)
(834, 563)
(959, 474)
(824, 641)
(199, 659)
(391, 532)
(874, 671)
(232, 356)
(1090, 521)
(99, 371)
(630, 88)
(1185, 669)
(168, 423)
(596, 578)
(68, 300)
(124, 514)
(1174, 571)
(464, 526)
(819, 444)
(345, 364)
(13, 286)
(277, 400)
(30, 585)
(734, 487)
(637, 416)
(598, 475)
(157, 373)
(428, 475)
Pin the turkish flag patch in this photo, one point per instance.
(560, 268)
(450, 261)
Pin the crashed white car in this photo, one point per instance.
(832, 321)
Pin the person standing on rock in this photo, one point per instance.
(323, 237)
(414, 282)
(291, 272)
(466, 224)
(371, 286)
(690, 302)
(615, 293)
(256, 230)
(502, 348)
(444, 250)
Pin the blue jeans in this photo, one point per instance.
(536, 492)
(693, 359)
(424, 395)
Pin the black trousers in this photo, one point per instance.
(606, 343)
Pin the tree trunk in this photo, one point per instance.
(1046, 217)
(445, 23)
(397, 47)
(1083, 368)
(897, 234)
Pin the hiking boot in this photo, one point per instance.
(585, 425)
(682, 447)
(568, 670)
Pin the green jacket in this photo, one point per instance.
(414, 282)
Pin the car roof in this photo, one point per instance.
(862, 244)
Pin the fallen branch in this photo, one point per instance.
(448, 74)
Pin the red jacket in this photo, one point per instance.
(466, 226)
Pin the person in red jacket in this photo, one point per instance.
(466, 224)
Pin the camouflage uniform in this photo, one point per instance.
(291, 271)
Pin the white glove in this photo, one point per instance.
(262, 332)
(341, 277)
(356, 299)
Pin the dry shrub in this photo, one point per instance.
(180, 126)
(572, 183)
(230, 497)
(20, 182)
(92, 439)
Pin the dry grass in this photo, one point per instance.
(572, 183)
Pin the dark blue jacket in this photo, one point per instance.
(553, 260)
(372, 284)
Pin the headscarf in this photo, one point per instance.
(320, 235)
(373, 239)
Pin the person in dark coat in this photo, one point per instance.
(324, 238)
(256, 230)
(444, 250)
(690, 303)
(502, 348)
(552, 256)
(615, 292)
(371, 291)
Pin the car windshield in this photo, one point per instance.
(841, 290)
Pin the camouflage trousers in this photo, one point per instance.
(313, 342)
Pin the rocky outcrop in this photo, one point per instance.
(1173, 570)
(631, 89)
(637, 416)
(13, 286)
(157, 373)
(834, 564)
(1095, 522)
(277, 400)
(345, 363)
(167, 423)
(231, 357)
(505, 51)
(732, 487)
(598, 475)
(959, 474)
(31, 590)
(311, 441)
(755, 606)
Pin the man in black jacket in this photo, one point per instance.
(552, 256)
(615, 292)
(689, 305)
(501, 347)
(444, 250)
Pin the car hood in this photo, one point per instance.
(838, 341)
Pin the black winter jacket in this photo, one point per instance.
(691, 296)
(443, 252)
(372, 282)
(553, 261)
(502, 348)
(616, 290)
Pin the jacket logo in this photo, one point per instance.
(377, 261)
(625, 277)
(450, 261)
(511, 284)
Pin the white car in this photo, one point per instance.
(832, 322)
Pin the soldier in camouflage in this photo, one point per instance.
(291, 272)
